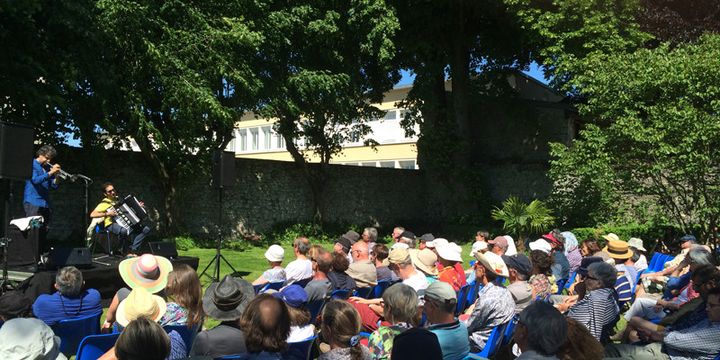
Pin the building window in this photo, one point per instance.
(407, 164)
(370, 164)
(351, 163)
(390, 115)
(267, 136)
(279, 141)
(242, 139)
(387, 164)
(254, 139)
(354, 137)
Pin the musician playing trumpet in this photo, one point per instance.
(106, 210)
(36, 198)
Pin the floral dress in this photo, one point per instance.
(381, 340)
(542, 286)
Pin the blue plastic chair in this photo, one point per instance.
(473, 294)
(72, 331)
(314, 307)
(259, 287)
(462, 296)
(571, 280)
(300, 350)
(493, 343)
(341, 294)
(653, 262)
(364, 293)
(561, 285)
(510, 330)
(275, 285)
(187, 334)
(303, 282)
(380, 288)
(93, 346)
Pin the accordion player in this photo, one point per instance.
(125, 218)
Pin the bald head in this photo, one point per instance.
(360, 251)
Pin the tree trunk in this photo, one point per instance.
(315, 178)
(167, 183)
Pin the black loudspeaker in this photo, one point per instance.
(164, 248)
(16, 151)
(70, 256)
(23, 246)
(223, 168)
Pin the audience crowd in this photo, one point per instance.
(564, 299)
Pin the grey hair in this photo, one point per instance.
(409, 241)
(402, 302)
(546, 327)
(47, 151)
(700, 256)
(636, 255)
(372, 233)
(69, 281)
(603, 272)
(302, 244)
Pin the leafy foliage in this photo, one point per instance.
(521, 219)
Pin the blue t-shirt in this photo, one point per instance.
(561, 268)
(453, 339)
(37, 188)
(56, 307)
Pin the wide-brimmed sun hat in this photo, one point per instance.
(148, 271)
(611, 236)
(618, 249)
(424, 260)
(275, 253)
(226, 300)
(478, 246)
(493, 262)
(542, 245)
(140, 303)
(450, 252)
(637, 243)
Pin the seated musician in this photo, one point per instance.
(103, 210)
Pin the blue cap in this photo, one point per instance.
(688, 237)
(293, 295)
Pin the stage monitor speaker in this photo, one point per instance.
(70, 256)
(164, 248)
(16, 151)
(23, 246)
(223, 168)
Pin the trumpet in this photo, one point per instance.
(64, 175)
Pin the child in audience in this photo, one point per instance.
(295, 298)
(184, 291)
(340, 328)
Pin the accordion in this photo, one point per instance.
(130, 215)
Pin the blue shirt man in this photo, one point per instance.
(36, 198)
(440, 304)
(69, 301)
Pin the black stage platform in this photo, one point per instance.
(103, 278)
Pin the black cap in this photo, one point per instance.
(407, 234)
(345, 243)
(585, 262)
(427, 237)
(519, 262)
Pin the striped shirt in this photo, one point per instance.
(701, 341)
(598, 311)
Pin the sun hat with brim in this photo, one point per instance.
(424, 260)
(275, 253)
(618, 249)
(611, 236)
(399, 256)
(148, 271)
(493, 262)
(226, 300)
(636, 243)
(28, 338)
(436, 243)
(400, 245)
(478, 246)
(450, 252)
(140, 303)
(542, 245)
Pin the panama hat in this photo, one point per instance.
(493, 262)
(618, 249)
(611, 236)
(147, 271)
(226, 300)
(424, 260)
(140, 303)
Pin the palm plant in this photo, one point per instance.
(521, 219)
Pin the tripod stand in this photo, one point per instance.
(6, 191)
(218, 245)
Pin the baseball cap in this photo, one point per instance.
(399, 255)
(500, 241)
(293, 295)
(541, 244)
(519, 262)
(441, 291)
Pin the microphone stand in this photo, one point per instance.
(86, 184)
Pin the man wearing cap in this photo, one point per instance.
(295, 297)
(494, 306)
(499, 245)
(224, 301)
(407, 237)
(274, 255)
(686, 242)
(561, 266)
(402, 264)
(301, 268)
(69, 301)
(620, 252)
(440, 304)
(449, 256)
(362, 269)
(519, 269)
(423, 239)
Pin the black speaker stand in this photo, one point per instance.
(218, 244)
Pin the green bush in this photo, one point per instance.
(184, 243)
(649, 233)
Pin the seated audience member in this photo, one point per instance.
(542, 281)
(300, 268)
(185, 294)
(572, 251)
(577, 290)
(25, 338)
(580, 344)
(416, 343)
(699, 341)
(408, 238)
(499, 245)
(449, 256)
(598, 310)
(400, 310)
(142, 339)
(275, 255)
(141, 304)
(369, 235)
(148, 271)
(560, 268)
(342, 246)
(362, 269)
(320, 286)
(397, 231)
(621, 254)
(379, 256)
(224, 301)
(638, 249)
(295, 298)
(13, 305)
(340, 329)
(541, 331)
(591, 247)
(481, 238)
(424, 239)
(519, 269)
(425, 260)
(440, 304)
(266, 324)
(69, 301)
(401, 264)
(494, 305)
(338, 277)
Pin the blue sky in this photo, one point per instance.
(534, 71)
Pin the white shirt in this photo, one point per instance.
(297, 270)
(298, 334)
(417, 281)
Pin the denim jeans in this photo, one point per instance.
(124, 234)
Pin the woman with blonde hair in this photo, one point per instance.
(340, 328)
(184, 293)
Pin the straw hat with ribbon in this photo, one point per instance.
(148, 271)
(618, 249)
(140, 303)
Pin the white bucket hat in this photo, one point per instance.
(542, 245)
(450, 252)
(636, 243)
(275, 253)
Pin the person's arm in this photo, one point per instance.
(102, 211)
(260, 281)
(110, 315)
(478, 318)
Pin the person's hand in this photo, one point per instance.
(658, 306)
(111, 213)
(54, 169)
(106, 328)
